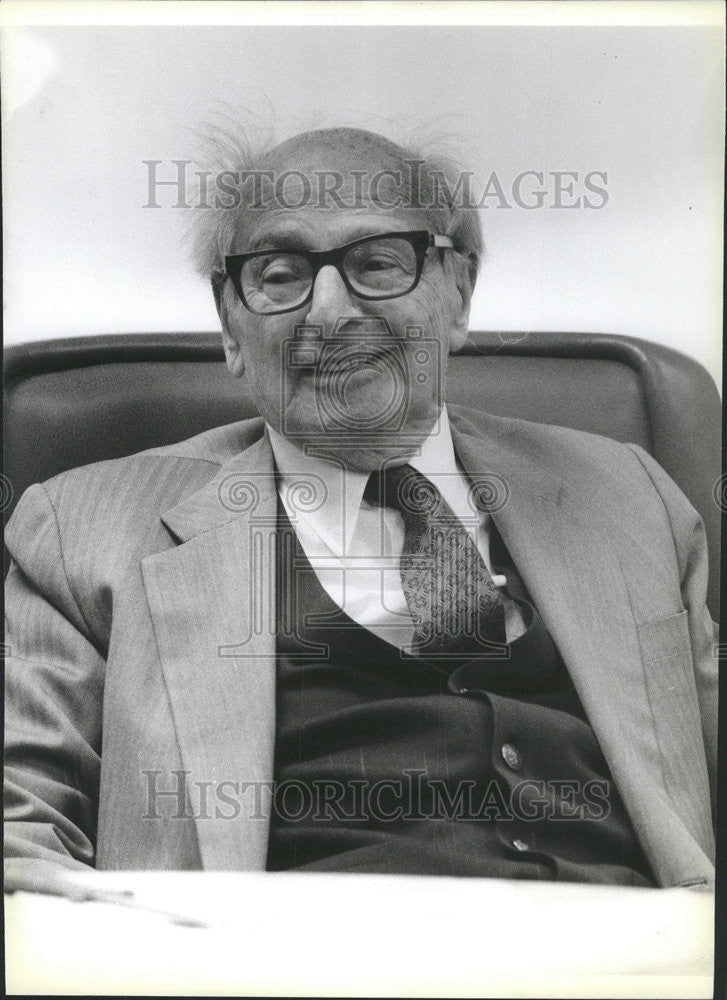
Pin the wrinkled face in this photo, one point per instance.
(358, 381)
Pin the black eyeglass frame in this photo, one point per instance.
(420, 239)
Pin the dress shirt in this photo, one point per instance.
(354, 548)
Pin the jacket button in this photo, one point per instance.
(520, 845)
(512, 757)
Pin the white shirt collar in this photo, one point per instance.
(328, 497)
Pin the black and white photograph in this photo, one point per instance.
(362, 492)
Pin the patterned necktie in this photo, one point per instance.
(453, 601)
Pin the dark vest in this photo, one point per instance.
(387, 763)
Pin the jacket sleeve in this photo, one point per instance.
(691, 549)
(54, 693)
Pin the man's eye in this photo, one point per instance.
(279, 275)
(380, 263)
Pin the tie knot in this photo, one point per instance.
(404, 489)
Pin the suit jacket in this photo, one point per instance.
(142, 640)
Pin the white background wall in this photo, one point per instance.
(84, 106)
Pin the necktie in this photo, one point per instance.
(453, 601)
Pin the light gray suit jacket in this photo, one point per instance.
(142, 640)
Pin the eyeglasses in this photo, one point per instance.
(384, 266)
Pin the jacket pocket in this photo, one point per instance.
(667, 639)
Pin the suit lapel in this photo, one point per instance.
(576, 580)
(216, 642)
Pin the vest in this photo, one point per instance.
(386, 763)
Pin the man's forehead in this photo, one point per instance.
(331, 184)
(344, 149)
(288, 229)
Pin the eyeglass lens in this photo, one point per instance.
(380, 268)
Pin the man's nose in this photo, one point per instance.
(331, 300)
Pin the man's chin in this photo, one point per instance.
(358, 422)
(362, 450)
(365, 457)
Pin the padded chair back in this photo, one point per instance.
(70, 402)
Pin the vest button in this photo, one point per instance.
(520, 845)
(512, 757)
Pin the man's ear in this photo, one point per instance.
(465, 276)
(233, 353)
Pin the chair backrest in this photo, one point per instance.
(70, 402)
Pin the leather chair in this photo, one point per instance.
(70, 402)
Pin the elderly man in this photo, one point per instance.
(366, 631)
